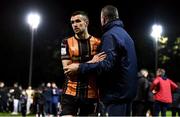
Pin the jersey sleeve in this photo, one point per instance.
(64, 50)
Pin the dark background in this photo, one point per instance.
(138, 18)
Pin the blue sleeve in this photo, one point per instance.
(108, 46)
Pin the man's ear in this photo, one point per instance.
(105, 19)
(87, 22)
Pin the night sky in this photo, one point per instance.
(15, 34)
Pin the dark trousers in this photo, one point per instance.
(40, 109)
(129, 109)
(139, 108)
(160, 107)
(48, 107)
(3, 105)
(54, 109)
(23, 110)
(150, 106)
(122, 109)
(174, 111)
(72, 105)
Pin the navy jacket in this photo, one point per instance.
(118, 72)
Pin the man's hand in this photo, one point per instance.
(98, 57)
(71, 70)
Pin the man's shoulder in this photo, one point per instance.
(65, 39)
(95, 38)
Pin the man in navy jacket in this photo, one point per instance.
(117, 79)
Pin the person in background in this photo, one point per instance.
(39, 102)
(16, 92)
(175, 106)
(47, 93)
(23, 103)
(140, 103)
(3, 97)
(30, 94)
(55, 99)
(150, 99)
(162, 88)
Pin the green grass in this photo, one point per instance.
(168, 114)
(19, 115)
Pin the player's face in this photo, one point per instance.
(79, 24)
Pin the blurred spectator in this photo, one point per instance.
(30, 94)
(139, 107)
(16, 92)
(47, 92)
(55, 99)
(38, 102)
(3, 97)
(23, 102)
(150, 100)
(175, 107)
(162, 88)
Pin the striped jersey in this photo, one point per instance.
(80, 51)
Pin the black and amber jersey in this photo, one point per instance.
(80, 51)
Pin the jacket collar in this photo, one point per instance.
(111, 24)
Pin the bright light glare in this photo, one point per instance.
(156, 31)
(33, 20)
